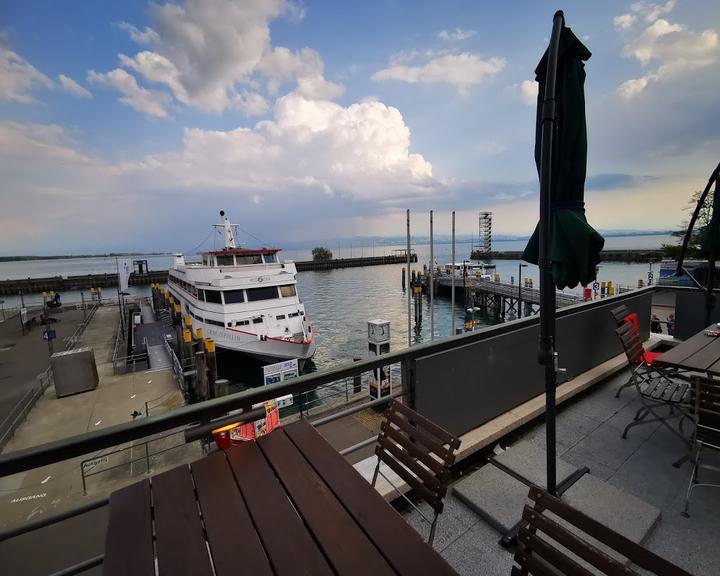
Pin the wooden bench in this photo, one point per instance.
(557, 540)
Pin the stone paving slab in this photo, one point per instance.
(615, 508)
(494, 495)
(528, 460)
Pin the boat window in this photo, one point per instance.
(225, 260)
(201, 294)
(249, 259)
(264, 293)
(234, 296)
(293, 314)
(200, 318)
(242, 322)
(270, 258)
(213, 296)
(288, 290)
(281, 317)
(257, 320)
(214, 322)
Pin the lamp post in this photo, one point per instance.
(519, 303)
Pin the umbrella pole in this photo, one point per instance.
(688, 233)
(712, 256)
(547, 354)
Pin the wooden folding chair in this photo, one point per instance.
(419, 452)
(705, 399)
(559, 540)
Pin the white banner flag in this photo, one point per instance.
(124, 269)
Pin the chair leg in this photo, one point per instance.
(432, 529)
(375, 474)
(692, 483)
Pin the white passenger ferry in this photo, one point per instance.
(245, 300)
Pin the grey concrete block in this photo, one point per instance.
(616, 509)
(530, 461)
(496, 496)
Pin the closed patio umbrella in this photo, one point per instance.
(566, 248)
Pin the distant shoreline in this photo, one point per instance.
(73, 256)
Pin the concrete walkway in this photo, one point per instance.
(59, 486)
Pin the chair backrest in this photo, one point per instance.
(630, 338)
(620, 313)
(705, 397)
(569, 546)
(418, 451)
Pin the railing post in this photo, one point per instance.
(82, 473)
(147, 459)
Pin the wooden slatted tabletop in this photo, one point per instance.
(700, 353)
(286, 504)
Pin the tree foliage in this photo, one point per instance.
(694, 249)
(321, 254)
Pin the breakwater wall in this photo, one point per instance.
(82, 282)
(306, 265)
(605, 256)
(87, 281)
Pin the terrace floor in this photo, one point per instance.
(589, 432)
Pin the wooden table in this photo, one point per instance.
(700, 353)
(286, 504)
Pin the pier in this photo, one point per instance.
(307, 265)
(493, 297)
(643, 256)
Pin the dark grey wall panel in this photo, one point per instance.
(690, 312)
(465, 387)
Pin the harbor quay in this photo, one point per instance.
(125, 392)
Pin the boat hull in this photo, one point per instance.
(265, 349)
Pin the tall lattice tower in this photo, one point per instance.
(484, 245)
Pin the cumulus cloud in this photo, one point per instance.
(209, 61)
(305, 67)
(462, 71)
(250, 103)
(148, 102)
(651, 11)
(72, 87)
(18, 78)
(672, 49)
(624, 21)
(528, 90)
(146, 36)
(308, 151)
(456, 35)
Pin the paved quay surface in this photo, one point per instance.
(23, 357)
(59, 486)
(589, 434)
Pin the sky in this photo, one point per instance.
(129, 125)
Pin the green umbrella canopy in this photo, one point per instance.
(574, 246)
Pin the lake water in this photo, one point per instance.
(340, 302)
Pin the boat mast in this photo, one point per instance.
(228, 234)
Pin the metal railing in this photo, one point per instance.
(19, 412)
(104, 457)
(208, 410)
